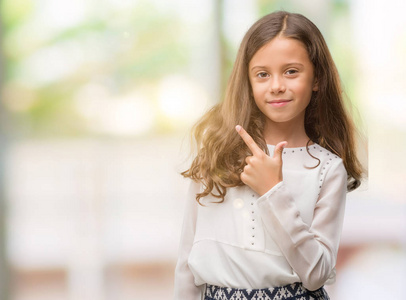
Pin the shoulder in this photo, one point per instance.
(325, 156)
(331, 165)
(312, 157)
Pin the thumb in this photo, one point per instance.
(279, 149)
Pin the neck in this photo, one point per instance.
(293, 133)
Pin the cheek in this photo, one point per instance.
(258, 90)
(302, 89)
(258, 94)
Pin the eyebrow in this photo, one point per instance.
(287, 65)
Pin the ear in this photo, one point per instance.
(315, 85)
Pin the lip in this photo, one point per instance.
(279, 102)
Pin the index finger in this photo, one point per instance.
(249, 141)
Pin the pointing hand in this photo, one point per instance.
(262, 172)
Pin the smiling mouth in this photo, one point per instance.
(279, 102)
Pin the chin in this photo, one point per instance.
(284, 118)
(278, 119)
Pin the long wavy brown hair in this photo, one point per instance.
(221, 152)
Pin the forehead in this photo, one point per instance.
(281, 50)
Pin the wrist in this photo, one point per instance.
(267, 188)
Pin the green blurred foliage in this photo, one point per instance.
(13, 12)
(122, 50)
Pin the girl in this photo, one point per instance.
(263, 220)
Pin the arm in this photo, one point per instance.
(185, 288)
(311, 251)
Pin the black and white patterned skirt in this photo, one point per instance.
(294, 291)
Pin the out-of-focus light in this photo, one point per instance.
(52, 63)
(122, 4)
(90, 99)
(17, 97)
(56, 15)
(181, 99)
(241, 15)
(381, 62)
(394, 113)
(129, 115)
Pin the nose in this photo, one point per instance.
(277, 85)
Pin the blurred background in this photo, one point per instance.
(97, 102)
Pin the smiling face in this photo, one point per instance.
(282, 80)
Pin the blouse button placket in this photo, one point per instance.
(252, 220)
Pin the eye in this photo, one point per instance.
(291, 72)
(262, 74)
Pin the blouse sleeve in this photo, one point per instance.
(185, 288)
(310, 250)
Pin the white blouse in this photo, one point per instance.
(290, 234)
